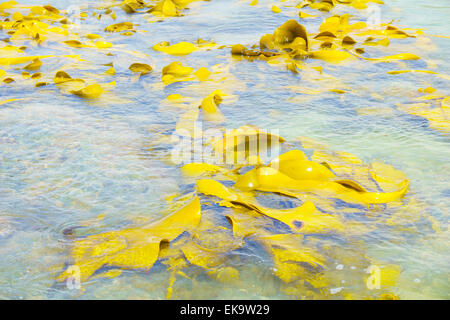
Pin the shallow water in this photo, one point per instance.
(65, 161)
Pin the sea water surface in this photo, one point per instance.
(64, 161)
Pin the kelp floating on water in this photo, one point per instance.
(300, 208)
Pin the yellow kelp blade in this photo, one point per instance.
(89, 92)
(177, 69)
(177, 49)
(290, 257)
(271, 180)
(210, 108)
(276, 9)
(175, 72)
(246, 138)
(199, 169)
(334, 56)
(295, 165)
(136, 247)
(61, 76)
(141, 68)
(412, 71)
(35, 65)
(290, 34)
(395, 57)
(215, 188)
(119, 27)
(19, 60)
(10, 100)
(202, 74)
(387, 177)
(305, 218)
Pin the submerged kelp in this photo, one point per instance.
(301, 224)
(298, 250)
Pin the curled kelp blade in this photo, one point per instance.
(131, 248)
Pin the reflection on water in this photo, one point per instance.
(71, 166)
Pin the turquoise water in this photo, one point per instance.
(65, 161)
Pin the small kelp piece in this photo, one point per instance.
(370, 41)
(75, 44)
(210, 109)
(276, 9)
(67, 84)
(394, 32)
(181, 48)
(202, 74)
(291, 35)
(239, 49)
(175, 72)
(35, 65)
(103, 44)
(141, 68)
(325, 36)
(119, 27)
(91, 91)
(177, 69)
(131, 248)
(347, 40)
(271, 180)
(61, 76)
(245, 141)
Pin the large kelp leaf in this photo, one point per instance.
(272, 180)
(135, 247)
